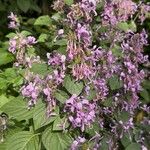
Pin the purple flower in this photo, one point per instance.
(77, 143)
(83, 34)
(14, 23)
(12, 45)
(101, 88)
(81, 112)
(31, 40)
(55, 59)
(82, 70)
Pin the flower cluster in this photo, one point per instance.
(106, 63)
(14, 21)
(81, 112)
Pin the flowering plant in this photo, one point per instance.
(81, 83)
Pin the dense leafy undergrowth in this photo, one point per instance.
(75, 78)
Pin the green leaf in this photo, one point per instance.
(43, 20)
(11, 35)
(116, 50)
(6, 58)
(59, 123)
(115, 83)
(145, 94)
(3, 100)
(125, 140)
(40, 118)
(92, 94)
(24, 5)
(68, 2)
(134, 146)
(132, 26)
(56, 140)
(56, 16)
(24, 140)
(41, 69)
(18, 109)
(72, 86)
(123, 116)
(61, 42)
(61, 96)
(43, 37)
(123, 26)
(108, 102)
(25, 33)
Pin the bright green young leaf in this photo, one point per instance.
(132, 26)
(61, 42)
(43, 37)
(3, 100)
(40, 118)
(11, 35)
(72, 86)
(17, 108)
(6, 58)
(61, 96)
(68, 2)
(24, 140)
(133, 146)
(115, 83)
(24, 5)
(25, 33)
(43, 20)
(56, 16)
(123, 26)
(56, 140)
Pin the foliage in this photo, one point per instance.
(74, 75)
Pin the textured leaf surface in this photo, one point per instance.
(24, 140)
(133, 146)
(72, 86)
(61, 96)
(18, 109)
(40, 118)
(115, 83)
(56, 140)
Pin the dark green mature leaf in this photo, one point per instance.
(108, 102)
(61, 96)
(133, 146)
(125, 140)
(56, 140)
(18, 109)
(43, 20)
(40, 118)
(24, 140)
(145, 94)
(115, 83)
(24, 5)
(72, 86)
